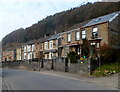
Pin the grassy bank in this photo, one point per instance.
(106, 69)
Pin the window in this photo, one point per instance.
(46, 45)
(69, 37)
(29, 48)
(25, 49)
(50, 55)
(95, 32)
(77, 35)
(98, 45)
(33, 47)
(83, 34)
(51, 44)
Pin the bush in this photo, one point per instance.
(108, 54)
(73, 57)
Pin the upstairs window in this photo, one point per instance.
(25, 49)
(83, 34)
(46, 45)
(95, 32)
(51, 44)
(77, 35)
(69, 37)
(33, 47)
(28, 48)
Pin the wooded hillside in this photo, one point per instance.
(60, 22)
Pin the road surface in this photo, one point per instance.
(29, 80)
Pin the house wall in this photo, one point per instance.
(66, 45)
(19, 54)
(73, 37)
(50, 55)
(102, 32)
(114, 33)
(8, 55)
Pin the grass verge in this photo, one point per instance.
(106, 69)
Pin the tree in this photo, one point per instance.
(73, 57)
(85, 48)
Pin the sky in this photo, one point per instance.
(15, 14)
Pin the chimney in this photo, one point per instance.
(46, 35)
(55, 31)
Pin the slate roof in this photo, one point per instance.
(43, 39)
(31, 42)
(101, 19)
(75, 27)
(55, 36)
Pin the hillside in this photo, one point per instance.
(60, 22)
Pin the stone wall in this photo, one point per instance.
(83, 67)
(59, 66)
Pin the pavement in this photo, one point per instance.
(17, 79)
(110, 81)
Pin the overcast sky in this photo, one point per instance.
(15, 14)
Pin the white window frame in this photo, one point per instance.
(46, 45)
(84, 34)
(94, 32)
(51, 44)
(28, 48)
(25, 48)
(69, 37)
(77, 35)
(33, 47)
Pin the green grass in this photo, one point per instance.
(106, 70)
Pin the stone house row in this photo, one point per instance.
(96, 32)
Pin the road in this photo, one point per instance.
(29, 80)
(0, 79)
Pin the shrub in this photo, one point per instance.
(73, 57)
(108, 54)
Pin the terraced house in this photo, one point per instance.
(52, 50)
(31, 50)
(102, 30)
(51, 46)
(71, 41)
(86, 36)
(96, 32)
(9, 55)
(39, 47)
